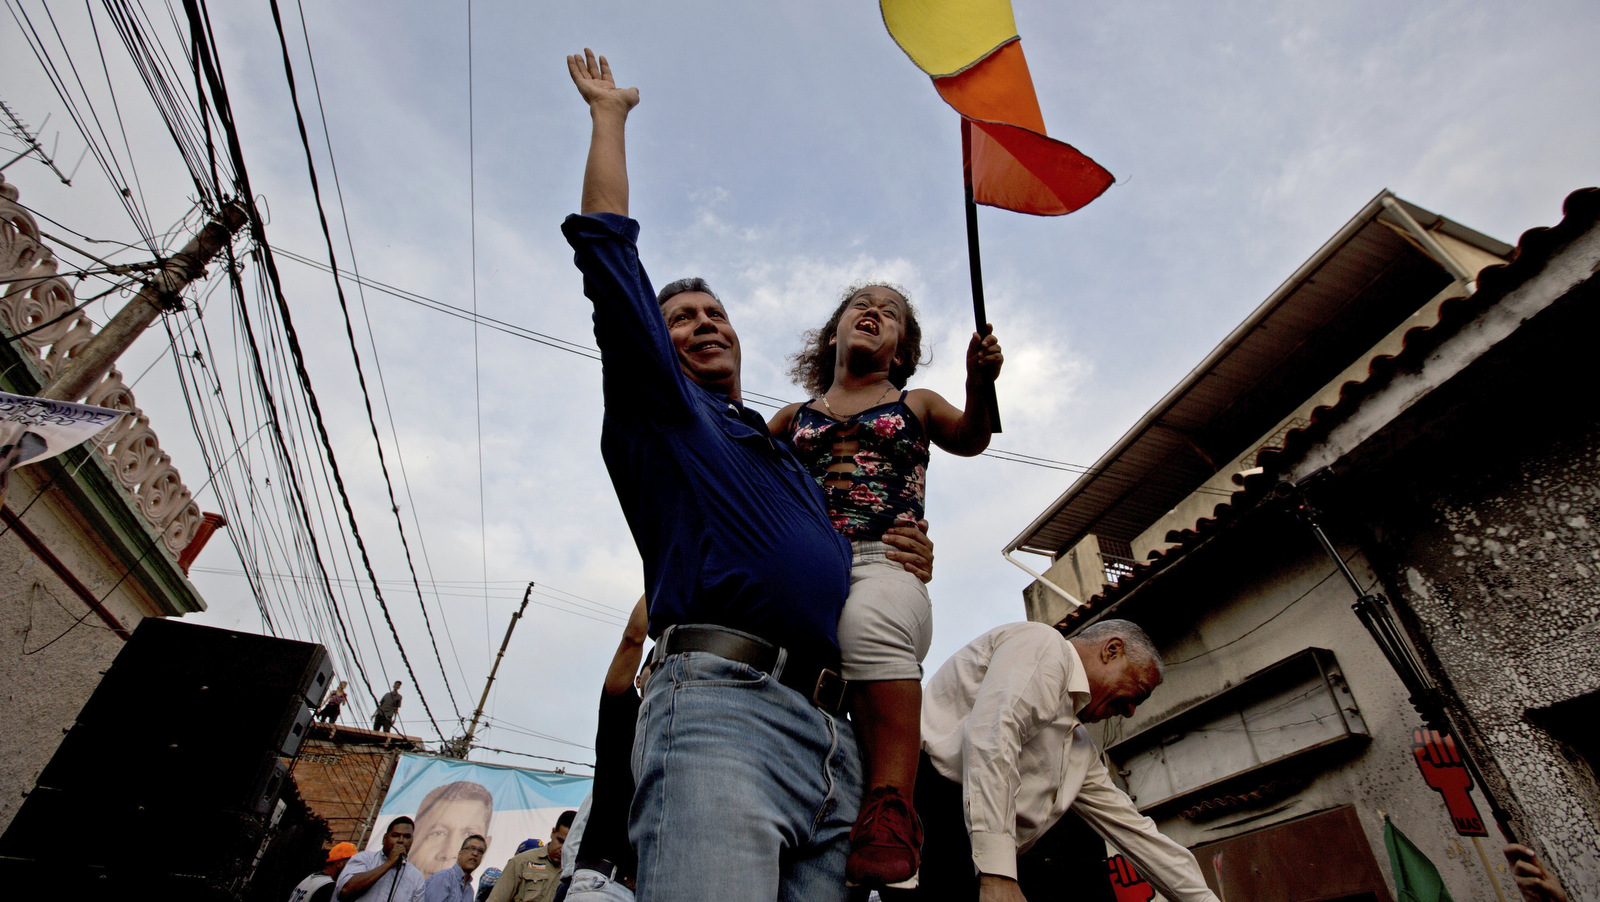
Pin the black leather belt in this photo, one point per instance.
(814, 676)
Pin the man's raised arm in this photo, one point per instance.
(605, 175)
(642, 374)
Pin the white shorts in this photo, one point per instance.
(887, 624)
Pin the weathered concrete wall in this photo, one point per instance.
(53, 649)
(1269, 585)
(1081, 572)
(1501, 565)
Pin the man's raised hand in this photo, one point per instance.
(605, 174)
(592, 75)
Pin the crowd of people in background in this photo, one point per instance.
(534, 873)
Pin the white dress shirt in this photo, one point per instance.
(1001, 718)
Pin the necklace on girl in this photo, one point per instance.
(881, 396)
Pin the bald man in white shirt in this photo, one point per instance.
(1005, 753)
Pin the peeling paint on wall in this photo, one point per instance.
(1502, 572)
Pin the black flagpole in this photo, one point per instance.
(975, 261)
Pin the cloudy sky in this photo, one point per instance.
(781, 150)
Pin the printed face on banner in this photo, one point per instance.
(444, 825)
(450, 800)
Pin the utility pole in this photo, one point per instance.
(163, 292)
(458, 748)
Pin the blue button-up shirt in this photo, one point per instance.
(400, 884)
(449, 885)
(731, 529)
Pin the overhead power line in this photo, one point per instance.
(104, 157)
(477, 375)
(350, 333)
(222, 445)
(377, 359)
(486, 748)
(206, 45)
(421, 300)
(599, 614)
(581, 350)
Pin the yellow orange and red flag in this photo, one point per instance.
(971, 50)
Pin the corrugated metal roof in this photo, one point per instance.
(1581, 212)
(1354, 290)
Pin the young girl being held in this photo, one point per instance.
(865, 439)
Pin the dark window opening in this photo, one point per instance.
(1117, 557)
(1572, 723)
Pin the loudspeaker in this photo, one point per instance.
(168, 776)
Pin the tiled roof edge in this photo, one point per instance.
(1534, 248)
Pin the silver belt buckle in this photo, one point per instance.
(828, 693)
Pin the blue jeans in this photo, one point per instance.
(746, 791)
(593, 886)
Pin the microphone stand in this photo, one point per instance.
(395, 883)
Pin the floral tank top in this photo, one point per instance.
(872, 466)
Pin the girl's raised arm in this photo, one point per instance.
(964, 432)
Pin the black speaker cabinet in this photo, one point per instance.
(172, 769)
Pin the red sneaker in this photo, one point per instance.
(886, 843)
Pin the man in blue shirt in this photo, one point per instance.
(454, 883)
(748, 777)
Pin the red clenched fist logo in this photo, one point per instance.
(1442, 769)
(1125, 881)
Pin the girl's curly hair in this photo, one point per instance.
(813, 364)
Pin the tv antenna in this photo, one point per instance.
(28, 137)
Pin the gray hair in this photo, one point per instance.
(1133, 637)
(692, 283)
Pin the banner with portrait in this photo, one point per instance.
(451, 800)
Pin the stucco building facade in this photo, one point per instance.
(93, 540)
(1421, 387)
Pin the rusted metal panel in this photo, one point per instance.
(1317, 858)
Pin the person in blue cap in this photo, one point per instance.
(486, 883)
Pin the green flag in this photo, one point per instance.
(1415, 877)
